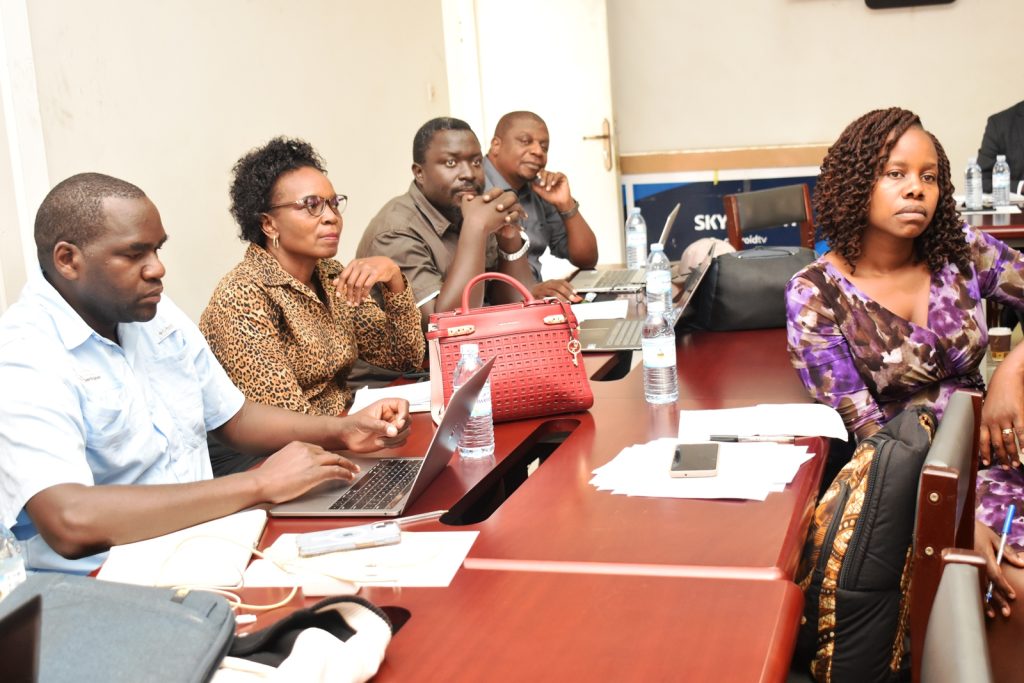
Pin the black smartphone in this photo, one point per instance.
(695, 460)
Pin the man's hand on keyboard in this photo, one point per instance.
(297, 468)
(561, 289)
(382, 424)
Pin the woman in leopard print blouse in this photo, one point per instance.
(289, 321)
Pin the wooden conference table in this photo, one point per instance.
(567, 581)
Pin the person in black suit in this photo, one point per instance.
(1004, 134)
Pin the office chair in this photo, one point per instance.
(766, 209)
(955, 649)
(945, 511)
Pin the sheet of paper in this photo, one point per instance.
(214, 553)
(745, 471)
(601, 310)
(417, 394)
(766, 419)
(422, 559)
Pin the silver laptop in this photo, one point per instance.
(620, 279)
(386, 486)
(624, 334)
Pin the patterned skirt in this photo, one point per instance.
(997, 490)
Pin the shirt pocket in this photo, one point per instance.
(106, 412)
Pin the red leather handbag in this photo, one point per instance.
(539, 369)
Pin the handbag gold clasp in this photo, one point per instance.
(556, 319)
(461, 330)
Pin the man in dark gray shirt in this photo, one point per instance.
(517, 161)
(446, 229)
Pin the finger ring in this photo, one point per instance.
(1007, 431)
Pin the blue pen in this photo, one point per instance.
(1002, 544)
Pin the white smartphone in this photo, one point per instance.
(695, 460)
(348, 538)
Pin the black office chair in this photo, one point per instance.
(955, 649)
(766, 209)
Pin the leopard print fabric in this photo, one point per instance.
(283, 346)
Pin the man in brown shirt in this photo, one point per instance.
(440, 231)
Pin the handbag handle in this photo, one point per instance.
(507, 279)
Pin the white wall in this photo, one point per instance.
(12, 265)
(706, 75)
(168, 95)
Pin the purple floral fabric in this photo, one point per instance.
(869, 363)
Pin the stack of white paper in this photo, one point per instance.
(601, 310)
(422, 559)
(745, 471)
(417, 394)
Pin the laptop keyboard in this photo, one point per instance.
(386, 481)
(617, 278)
(626, 333)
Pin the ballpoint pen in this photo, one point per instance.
(1002, 544)
(735, 438)
(430, 297)
(416, 519)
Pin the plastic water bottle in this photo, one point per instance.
(478, 438)
(661, 383)
(1001, 182)
(12, 562)
(972, 185)
(659, 279)
(636, 239)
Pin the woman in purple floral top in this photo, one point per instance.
(894, 316)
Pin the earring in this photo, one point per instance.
(276, 242)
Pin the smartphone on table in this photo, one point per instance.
(695, 460)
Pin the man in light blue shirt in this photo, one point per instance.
(517, 161)
(109, 391)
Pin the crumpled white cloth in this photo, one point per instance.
(319, 656)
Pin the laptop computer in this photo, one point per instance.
(620, 279)
(624, 334)
(385, 486)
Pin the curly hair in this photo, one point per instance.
(253, 178)
(849, 171)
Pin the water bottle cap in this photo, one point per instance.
(1000, 157)
(657, 246)
(635, 210)
(972, 160)
(469, 349)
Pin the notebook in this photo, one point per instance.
(385, 486)
(213, 553)
(620, 279)
(625, 334)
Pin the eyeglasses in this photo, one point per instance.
(315, 204)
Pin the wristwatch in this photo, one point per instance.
(518, 254)
(566, 215)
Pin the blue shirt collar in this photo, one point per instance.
(72, 330)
